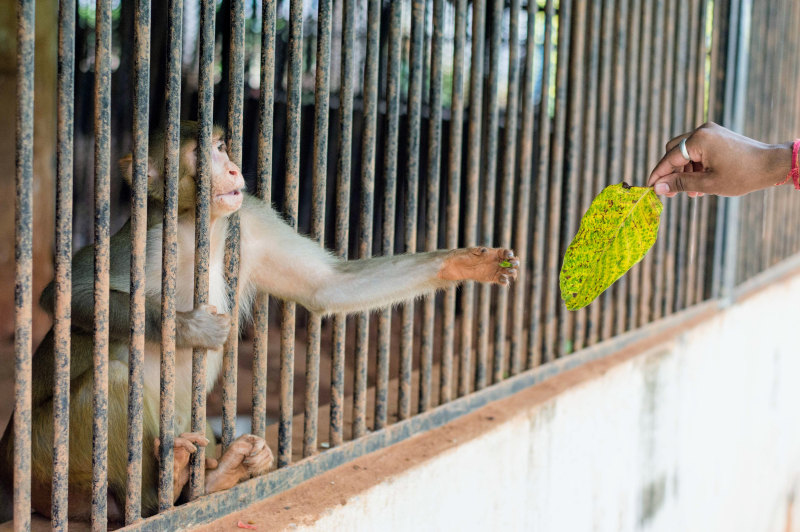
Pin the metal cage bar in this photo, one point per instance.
(539, 324)
(524, 195)
(63, 268)
(169, 260)
(432, 207)
(502, 367)
(102, 191)
(230, 350)
(454, 160)
(368, 170)
(321, 112)
(140, 166)
(202, 245)
(583, 323)
(387, 240)
(264, 192)
(23, 250)
(489, 191)
(342, 234)
(411, 199)
(470, 234)
(293, 104)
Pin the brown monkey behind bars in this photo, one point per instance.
(274, 258)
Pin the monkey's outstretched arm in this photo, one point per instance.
(292, 267)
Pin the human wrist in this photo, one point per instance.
(779, 162)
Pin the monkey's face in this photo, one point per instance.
(226, 181)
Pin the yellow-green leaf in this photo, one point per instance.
(616, 232)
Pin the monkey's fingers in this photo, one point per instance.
(196, 438)
(211, 309)
(509, 266)
(259, 461)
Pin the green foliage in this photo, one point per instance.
(616, 232)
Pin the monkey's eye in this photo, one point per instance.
(221, 147)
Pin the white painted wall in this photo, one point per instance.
(702, 433)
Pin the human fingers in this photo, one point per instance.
(674, 161)
(675, 140)
(693, 182)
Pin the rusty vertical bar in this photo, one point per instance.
(694, 85)
(601, 312)
(319, 187)
(507, 185)
(588, 170)
(687, 241)
(343, 176)
(23, 249)
(654, 141)
(432, 208)
(169, 257)
(63, 268)
(412, 190)
(641, 161)
(620, 104)
(538, 287)
(489, 189)
(472, 178)
(454, 158)
(573, 151)
(369, 141)
(294, 110)
(387, 241)
(230, 351)
(666, 244)
(524, 197)
(368, 149)
(102, 191)
(202, 241)
(556, 180)
(725, 17)
(231, 348)
(264, 191)
(632, 121)
(141, 119)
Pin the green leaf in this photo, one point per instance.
(616, 232)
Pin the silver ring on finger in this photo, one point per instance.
(684, 152)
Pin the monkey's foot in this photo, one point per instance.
(248, 456)
(184, 447)
(486, 265)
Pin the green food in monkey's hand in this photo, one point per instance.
(616, 232)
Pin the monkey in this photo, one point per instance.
(274, 259)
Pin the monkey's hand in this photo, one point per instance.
(201, 327)
(486, 265)
(248, 456)
(185, 446)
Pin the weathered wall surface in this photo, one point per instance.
(699, 433)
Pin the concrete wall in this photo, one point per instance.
(700, 432)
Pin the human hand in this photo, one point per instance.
(722, 163)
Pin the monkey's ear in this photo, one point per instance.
(126, 166)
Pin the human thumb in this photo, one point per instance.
(682, 182)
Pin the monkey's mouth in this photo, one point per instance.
(230, 194)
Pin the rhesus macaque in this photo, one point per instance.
(274, 258)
